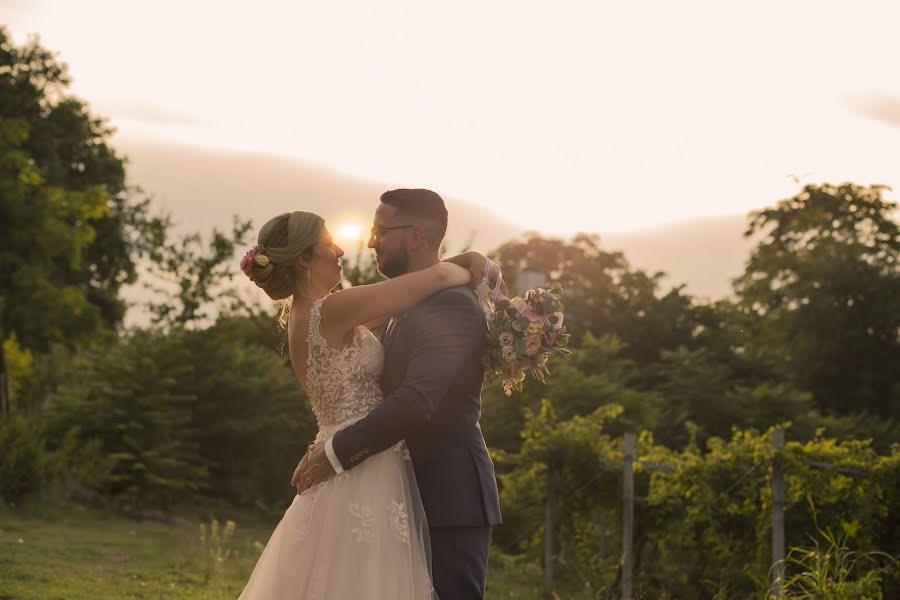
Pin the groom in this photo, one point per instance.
(432, 398)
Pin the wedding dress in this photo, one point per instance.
(361, 535)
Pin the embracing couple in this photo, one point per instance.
(396, 497)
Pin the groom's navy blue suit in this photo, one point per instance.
(432, 398)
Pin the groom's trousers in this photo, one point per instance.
(459, 558)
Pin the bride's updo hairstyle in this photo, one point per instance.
(272, 263)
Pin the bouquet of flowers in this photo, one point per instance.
(523, 333)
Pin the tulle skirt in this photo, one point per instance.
(362, 535)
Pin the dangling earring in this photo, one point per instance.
(304, 291)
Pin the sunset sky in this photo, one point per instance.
(561, 116)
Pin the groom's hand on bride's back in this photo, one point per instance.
(314, 468)
(298, 471)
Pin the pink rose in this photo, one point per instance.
(506, 339)
(533, 344)
(549, 338)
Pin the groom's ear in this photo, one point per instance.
(419, 236)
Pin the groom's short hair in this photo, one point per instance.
(422, 204)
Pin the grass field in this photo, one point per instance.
(77, 553)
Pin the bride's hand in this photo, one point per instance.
(478, 264)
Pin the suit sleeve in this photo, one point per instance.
(448, 330)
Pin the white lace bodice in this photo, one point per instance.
(343, 384)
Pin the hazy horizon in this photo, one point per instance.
(703, 253)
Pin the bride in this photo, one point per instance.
(363, 533)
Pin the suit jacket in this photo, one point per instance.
(432, 381)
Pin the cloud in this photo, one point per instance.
(146, 113)
(885, 109)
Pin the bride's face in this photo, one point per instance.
(325, 263)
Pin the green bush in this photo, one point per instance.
(703, 522)
(80, 469)
(22, 464)
(132, 436)
(157, 419)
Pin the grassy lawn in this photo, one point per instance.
(78, 553)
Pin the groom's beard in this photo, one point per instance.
(395, 265)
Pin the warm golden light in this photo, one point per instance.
(612, 123)
(349, 232)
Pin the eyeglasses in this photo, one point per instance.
(378, 232)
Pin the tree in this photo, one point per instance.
(200, 277)
(604, 295)
(586, 272)
(823, 289)
(70, 230)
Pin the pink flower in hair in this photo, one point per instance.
(254, 254)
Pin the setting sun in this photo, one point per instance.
(350, 232)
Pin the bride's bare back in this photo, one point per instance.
(341, 382)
